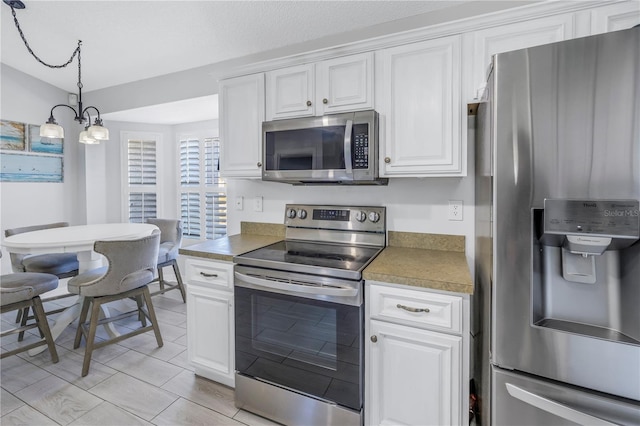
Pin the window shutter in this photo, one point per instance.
(203, 195)
(190, 214)
(142, 179)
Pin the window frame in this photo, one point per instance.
(126, 189)
(202, 189)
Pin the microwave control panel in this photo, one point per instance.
(361, 147)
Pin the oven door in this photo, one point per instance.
(295, 340)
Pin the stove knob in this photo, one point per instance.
(302, 214)
(291, 213)
(374, 217)
(361, 216)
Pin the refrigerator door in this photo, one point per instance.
(521, 400)
(565, 125)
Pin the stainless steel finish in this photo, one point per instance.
(560, 123)
(411, 309)
(347, 176)
(345, 292)
(378, 227)
(520, 400)
(374, 339)
(348, 165)
(275, 402)
(374, 217)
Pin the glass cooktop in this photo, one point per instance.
(311, 257)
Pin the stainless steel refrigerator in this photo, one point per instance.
(557, 229)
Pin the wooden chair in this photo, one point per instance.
(20, 291)
(130, 268)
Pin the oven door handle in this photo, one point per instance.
(296, 288)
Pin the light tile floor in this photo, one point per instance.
(132, 382)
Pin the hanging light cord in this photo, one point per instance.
(26, 43)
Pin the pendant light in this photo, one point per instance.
(93, 133)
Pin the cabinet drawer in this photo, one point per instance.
(416, 308)
(210, 273)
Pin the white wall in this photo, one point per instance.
(29, 100)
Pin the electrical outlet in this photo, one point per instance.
(455, 209)
(239, 203)
(257, 204)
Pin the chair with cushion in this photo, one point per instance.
(130, 268)
(170, 240)
(62, 265)
(22, 290)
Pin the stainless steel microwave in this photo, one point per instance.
(332, 149)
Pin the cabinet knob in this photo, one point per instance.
(308, 103)
(374, 338)
(259, 164)
(325, 101)
(387, 160)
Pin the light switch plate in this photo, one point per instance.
(239, 203)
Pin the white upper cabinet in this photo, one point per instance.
(481, 45)
(614, 17)
(419, 101)
(345, 84)
(290, 92)
(334, 85)
(241, 105)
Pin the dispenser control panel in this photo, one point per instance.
(614, 218)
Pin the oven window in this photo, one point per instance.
(318, 148)
(309, 346)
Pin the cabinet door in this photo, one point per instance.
(414, 376)
(290, 92)
(420, 109)
(614, 17)
(504, 38)
(210, 335)
(345, 84)
(241, 105)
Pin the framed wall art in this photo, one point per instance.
(12, 136)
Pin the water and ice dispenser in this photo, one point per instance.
(586, 268)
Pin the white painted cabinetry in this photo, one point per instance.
(335, 85)
(241, 105)
(416, 356)
(419, 101)
(614, 17)
(210, 319)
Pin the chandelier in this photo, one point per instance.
(92, 133)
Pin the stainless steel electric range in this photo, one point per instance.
(299, 316)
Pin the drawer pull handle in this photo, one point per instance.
(410, 309)
(204, 274)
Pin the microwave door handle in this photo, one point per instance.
(347, 148)
(555, 407)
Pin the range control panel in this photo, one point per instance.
(611, 218)
(359, 218)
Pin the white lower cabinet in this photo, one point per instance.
(210, 319)
(416, 374)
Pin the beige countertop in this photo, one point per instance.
(414, 259)
(252, 237)
(423, 260)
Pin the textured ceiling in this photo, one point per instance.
(124, 41)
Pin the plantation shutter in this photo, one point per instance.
(203, 201)
(141, 174)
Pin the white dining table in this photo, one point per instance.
(74, 239)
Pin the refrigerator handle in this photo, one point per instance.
(554, 407)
